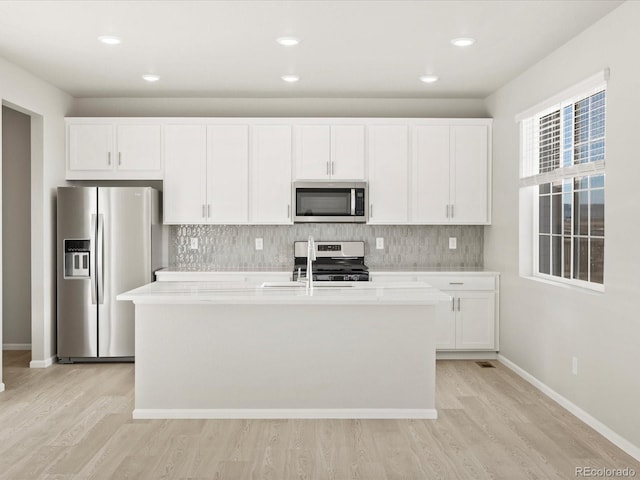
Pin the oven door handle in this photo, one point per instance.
(353, 202)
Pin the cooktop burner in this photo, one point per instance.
(335, 261)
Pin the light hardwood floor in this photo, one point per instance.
(74, 422)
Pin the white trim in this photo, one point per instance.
(594, 423)
(458, 355)
(309, 413)
(600, 78)
(16, 346)
(1, 387)
(47, 362)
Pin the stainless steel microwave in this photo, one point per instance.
(330, 202)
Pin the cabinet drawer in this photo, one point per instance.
(454, 282)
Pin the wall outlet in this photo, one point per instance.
(259, 244)
(379, 243)
(194, 243)
(453, 243)
(574, 365)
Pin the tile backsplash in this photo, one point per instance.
(232, 247)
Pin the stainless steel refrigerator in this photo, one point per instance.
(110, 240)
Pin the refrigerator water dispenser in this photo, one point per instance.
(76, 258)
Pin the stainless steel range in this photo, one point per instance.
(335, 261)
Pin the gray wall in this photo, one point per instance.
(16, 228)
(406, 247)
(543, 326)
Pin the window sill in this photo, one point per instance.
(593, 290)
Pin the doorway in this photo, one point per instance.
(16, 230)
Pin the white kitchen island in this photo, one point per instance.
(216, 350)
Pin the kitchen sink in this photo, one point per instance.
(301, 285)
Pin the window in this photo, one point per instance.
(562, 166)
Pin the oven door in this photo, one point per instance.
(329, 203)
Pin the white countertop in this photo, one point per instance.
(339, 293)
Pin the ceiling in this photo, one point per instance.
(361, 48)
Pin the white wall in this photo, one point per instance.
(544, 326)
(294, 107)
(47, 107)
(16, 229)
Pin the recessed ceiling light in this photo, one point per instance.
(287, 41)
(429, 78)
(110, 39)
(151, 77)
(463, 41)
(290, 78)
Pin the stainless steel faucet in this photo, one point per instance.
(311, 256)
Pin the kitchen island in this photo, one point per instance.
(223, 350)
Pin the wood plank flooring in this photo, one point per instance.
(74, 422)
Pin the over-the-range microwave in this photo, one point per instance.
(330, 202)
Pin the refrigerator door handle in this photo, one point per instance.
(92, 260)
(100, 259)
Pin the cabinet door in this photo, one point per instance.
(91, 147)
(431, 174)
(228, 174)
(313, 152)
(270, 191)
(139, 148)
(184, 195)
(475, 324)
(388, 182)
(470, 160)
(347, 152)
(446, 324)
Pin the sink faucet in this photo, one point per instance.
(311, 256)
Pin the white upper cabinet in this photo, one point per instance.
(228, 174)
(185, 183)
(270, 173)
(470, 200)
(112, 149)
(206, 174)
(326, 152)
(451, 174)
(388, 174)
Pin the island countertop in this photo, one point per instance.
(345, 293)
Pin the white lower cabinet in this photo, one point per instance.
(469, 320)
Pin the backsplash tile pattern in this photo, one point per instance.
(408, 247)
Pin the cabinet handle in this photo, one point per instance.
(333, 165)
(288, 211)
(208, 210)
(453, 304)
(452, 211)
(456, 283)
(458, 303)
(119, 158)
(108, 158)
(371, 210)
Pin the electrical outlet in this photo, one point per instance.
(259, 244)
(574, 365)
(194, 243)
(453, 243)
(379, 243)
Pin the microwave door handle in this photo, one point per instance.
(353, 202)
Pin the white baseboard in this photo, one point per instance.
(593, 422)
(16, 346)
(453, 355)
(47, 362)
(1, 387)
(261, 413)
